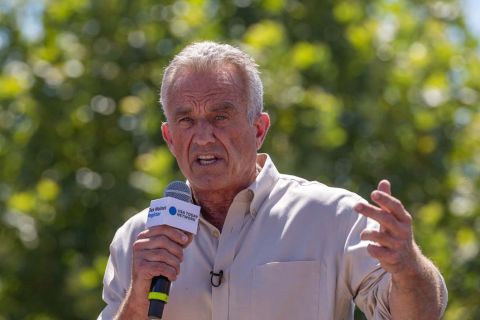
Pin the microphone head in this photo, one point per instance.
(178, 190)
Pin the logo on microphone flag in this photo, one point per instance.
(173, 212)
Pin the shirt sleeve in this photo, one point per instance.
(117, 277)
(366, 281)
(113, 292)
(372, 287)
(118, 272)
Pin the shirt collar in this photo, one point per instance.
(259, 190)
(263, 184)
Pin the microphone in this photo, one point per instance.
(174, 209)
(218, 278)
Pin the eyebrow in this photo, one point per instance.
(181, 111)
(223, 106)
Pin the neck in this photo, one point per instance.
(215, 204)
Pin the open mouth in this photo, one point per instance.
(206, 160)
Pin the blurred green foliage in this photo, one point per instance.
(357, 91)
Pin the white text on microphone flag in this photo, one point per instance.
(175, 213)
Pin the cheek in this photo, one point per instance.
(179, 147)
(245, 146)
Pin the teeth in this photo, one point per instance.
(209, 157)
(206, 159)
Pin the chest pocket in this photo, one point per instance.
(286, 290)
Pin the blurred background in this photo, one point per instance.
(357, 91)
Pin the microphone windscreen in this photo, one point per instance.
(178, 190)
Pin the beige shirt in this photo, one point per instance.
(289, 249)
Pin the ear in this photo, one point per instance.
(167, 137)
(262, 123)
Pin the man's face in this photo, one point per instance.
(208, 131)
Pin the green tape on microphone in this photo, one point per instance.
(158, 296)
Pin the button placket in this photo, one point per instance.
(227, 245)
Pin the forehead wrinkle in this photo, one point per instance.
(227, 77)
(228, 85)
(202, 98)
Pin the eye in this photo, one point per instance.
(185, 120)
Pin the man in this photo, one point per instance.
(287, 248)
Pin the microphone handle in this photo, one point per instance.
(158, 296)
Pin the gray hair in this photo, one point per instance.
(206, 55)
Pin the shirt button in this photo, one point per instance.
(215, 234)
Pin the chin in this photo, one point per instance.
(207, 183)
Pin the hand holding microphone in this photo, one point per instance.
(158, 251)
(176, 210)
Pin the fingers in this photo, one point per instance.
(163, 255)
(391, 205)
(384, 199)
(393, 245)
(386, 220)
(384, 186)
(392, 261)
(159, 251)
(173, 234)
(386, 256)
(159, 242)
(381, 238)
(146, 270)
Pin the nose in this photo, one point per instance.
(203, 133)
